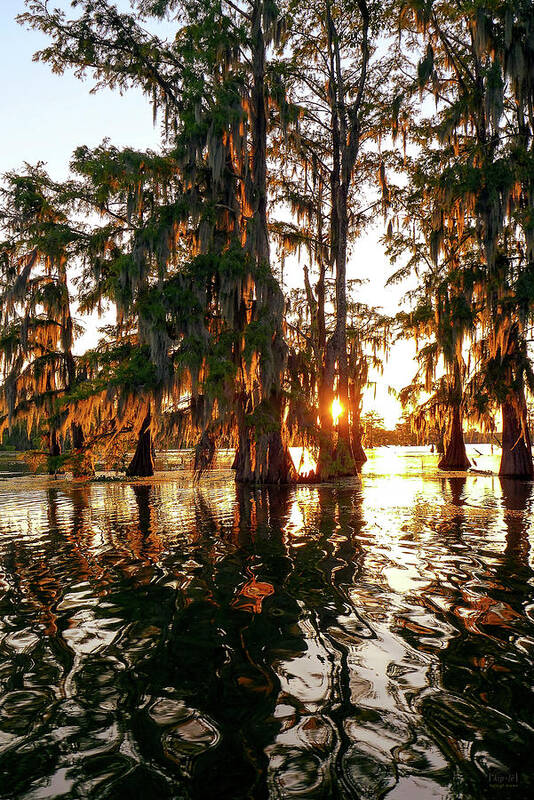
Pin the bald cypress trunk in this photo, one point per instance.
(326, 398)
(440, 440)
(356, 430)
(263, 456)
(54, 448)
(83, 463)
(142, 463)
(344, 145)
(343, 453)
(455, 456)
(357, 446)
(77, 436)
(259, 242)
(343, 460)
(278, 468)
(244, 457)
(265, 461)
(76, 431)
(516, 459)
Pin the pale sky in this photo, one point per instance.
(46, 116)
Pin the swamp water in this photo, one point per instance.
(365, 640)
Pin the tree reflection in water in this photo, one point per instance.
(517, 498)
(159, 640)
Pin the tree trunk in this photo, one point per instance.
(340, 335)
(455, 456)
(82, 460)
(76, 430)
(341, 461)
(356, 432)
(142, 464)
(336, 459)
(345, 141)
(279, 469)
(54, 449)
(440, 441)
(263, 458)
(326, 398)
(82, 465)
(264, 462)
(516, 460)
(357, 446)
(258, 243)
(343, 454)
(77, 436)
(204, 454)
(244, 457)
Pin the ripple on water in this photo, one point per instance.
(372, 640)
(22, 709)
(189, 737)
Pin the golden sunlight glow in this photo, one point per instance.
(303, 461)
(337, 410)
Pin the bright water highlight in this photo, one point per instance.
(365, 640)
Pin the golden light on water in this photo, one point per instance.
(337, 410)
(303, 461)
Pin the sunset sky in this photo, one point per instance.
(46, 116)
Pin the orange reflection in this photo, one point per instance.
(252, 595)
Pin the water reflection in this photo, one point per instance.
(367, 640)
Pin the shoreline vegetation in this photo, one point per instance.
(178, 465)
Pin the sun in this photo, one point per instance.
(337, 410)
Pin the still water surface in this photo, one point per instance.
(164, 640)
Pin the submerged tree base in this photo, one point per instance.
(336, 461)
(357, 449)
(272, 466)
(455, 456)
(142, 463)
(516, 460)
(262, 457)
(263, 462)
